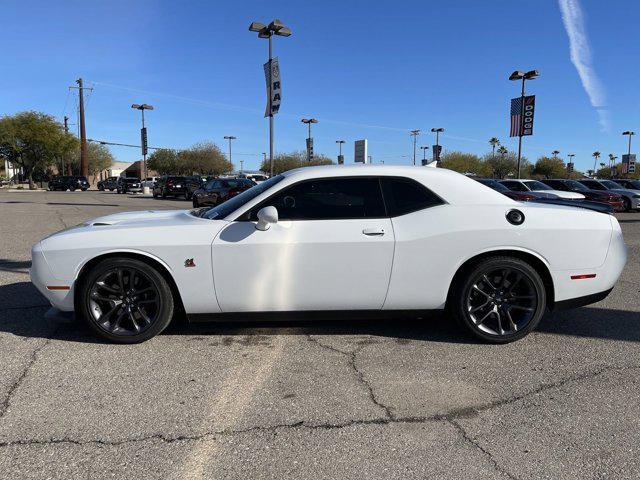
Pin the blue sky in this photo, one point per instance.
(365, 69)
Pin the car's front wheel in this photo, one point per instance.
(499, 299)
(626, 204)
(125, 300)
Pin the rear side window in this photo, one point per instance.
(328, 199)
(403, 195)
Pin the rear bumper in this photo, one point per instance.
(582, 301)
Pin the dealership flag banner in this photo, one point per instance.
(272, 76)
(522, 118)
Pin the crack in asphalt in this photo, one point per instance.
(6, 403)
(451, 417)
(352, 359)
(479, 447)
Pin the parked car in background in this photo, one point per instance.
(629, 184)
(169, 186)
(66, 182)
(520, 196)
(192, 184)
(536, 186)
(567, 185)
(630, 198)
(110, 183)
(218, 190)
(128, 185)
(149, 182)
(256, 177)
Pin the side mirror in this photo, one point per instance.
(266, 216)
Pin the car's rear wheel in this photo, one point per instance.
(125, 300)
(626, 204)
(196, 204)
(101, 188)
(498, 300)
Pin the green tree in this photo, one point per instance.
(99, 158)
(465, 163)
(549, 167)
(494, 142)
(288, 161)
(34, 141)
(501, 165)
(164, 161)
(204, 158)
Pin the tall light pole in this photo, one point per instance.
(230, 137)
(267, 31)
(630, 133)
(414, 134)
(555, 153)
(143, 135)
(340, 157)
(309, 121)
(570, 155)
(518, 75)
(424, 154)
(437, 152)
(241, 166)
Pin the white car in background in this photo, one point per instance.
(369, 238)
(536, 186)
(256, 177)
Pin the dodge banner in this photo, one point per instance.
(274, 87)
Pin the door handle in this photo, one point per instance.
(372, 232)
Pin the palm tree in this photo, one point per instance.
(596, 156)
(493, 141)
(555, 153)
(502, 151)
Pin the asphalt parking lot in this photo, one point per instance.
(402, 398)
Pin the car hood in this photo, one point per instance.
(135, 218)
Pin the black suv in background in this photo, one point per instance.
(170, 186)
(218, 190)
(69, 183)
(128, 184)
(110, 183)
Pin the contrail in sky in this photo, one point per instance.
(573, 20)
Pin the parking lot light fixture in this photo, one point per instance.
(437, 131)
(519, 75)
(230, 137)
(268, 31)
(424, 154)
(630, 133)
(143, 135)
(309, 121)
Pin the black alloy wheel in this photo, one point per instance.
(125, 300)
(500, 300)
(626, 204)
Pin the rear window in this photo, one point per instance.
(403, 195)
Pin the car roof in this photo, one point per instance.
(454, 187)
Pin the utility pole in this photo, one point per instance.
(436, 155)
(414, 134)
(84, 156)
(340, 157)
(518, 75)
(66, 131)
(570, 165)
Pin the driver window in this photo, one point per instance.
(328, 199)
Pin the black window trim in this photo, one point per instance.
(263, 203)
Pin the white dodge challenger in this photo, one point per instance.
(371, 239)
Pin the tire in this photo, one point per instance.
(626, 204)
(186, 195)
(195, 203)
(502, 302)
(72, 189)
(119, 317)
(85, 189)
(111, 189)
(155, 195)
(101, 188)
(164, 193)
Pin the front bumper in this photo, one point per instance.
(46, 282)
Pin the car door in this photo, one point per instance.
(332, 249)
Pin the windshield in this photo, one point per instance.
(225, 208)
(610, 184)
(535, 185)
(573, 185)
(635, 184)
